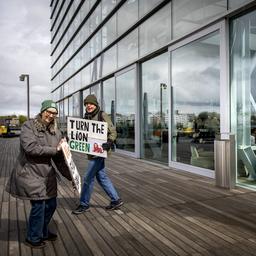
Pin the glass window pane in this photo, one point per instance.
(155, 109)
(95, 18)
(109, 60)
(65, 109)
(243, 80)
(146, 5)
(191, 14)
(76, 104)
(107, 7)
(236, 3)
(196, 106)
(86, 92)
(95, 44)
(96, 91)
(70, 106)
(109, 32)
(85, 75)
(128, 49)
(125, 110)
(61, 116)
(155, 32)
(96, 69)
(109, 95)
(127, 15)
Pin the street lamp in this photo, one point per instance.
(22, 78)
(162, 86)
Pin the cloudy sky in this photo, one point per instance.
(24, 49)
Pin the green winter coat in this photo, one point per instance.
(33, 176)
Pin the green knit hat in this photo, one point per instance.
(91, 99)
(48, 104)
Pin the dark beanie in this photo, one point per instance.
(48, 104)
(91, 99)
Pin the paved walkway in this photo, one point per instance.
(166, 212)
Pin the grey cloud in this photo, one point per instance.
(24, 48)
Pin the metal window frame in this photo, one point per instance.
(136, 152)
(222, 27)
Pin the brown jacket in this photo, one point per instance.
(33, 176)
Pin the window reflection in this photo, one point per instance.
(146, 5)
(109, 96)
(107, 6)
(155, 109)
(127, 15)
(128, 48)
(125, 110)
(155, 32)
(243, 79)
(236, 3)
(191, 14)
(76, 104)
(109, 60)
(109, 32)
(195, 99)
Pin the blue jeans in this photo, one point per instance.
(96, 167)
(40, 215)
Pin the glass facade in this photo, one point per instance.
(243, 78)
(126, 110)
(154, 106)
(109, 98)
(160, 70)
(156, 31)
(188, 15)
(195, 74)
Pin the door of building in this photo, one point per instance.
(198, 111)
(126, 109)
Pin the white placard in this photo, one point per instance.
(71, 165)
(86, 136)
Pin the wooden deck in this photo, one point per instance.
(166, 212)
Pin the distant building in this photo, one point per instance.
(171, 74)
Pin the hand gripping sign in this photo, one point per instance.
(76, 179)
(87, 136)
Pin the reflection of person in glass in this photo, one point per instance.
(34, 177)
(96, 165)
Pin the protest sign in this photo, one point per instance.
(87, 136)
(71, 165)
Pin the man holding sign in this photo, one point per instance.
(96, 165)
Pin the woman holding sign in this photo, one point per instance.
(34, 177)
(96, 165)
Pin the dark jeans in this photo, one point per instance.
(39, 218)
(96, 168)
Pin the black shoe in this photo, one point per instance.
(51, 237)
(114, 205)
(80, 209)
(35, 245)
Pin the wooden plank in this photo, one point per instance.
(22, 224)
(129, 238)
(13, 229)
(64, 243)
(173, 234)
(156, 246)
(166, 212)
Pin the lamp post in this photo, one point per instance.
(22, 78)
(162, 86)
